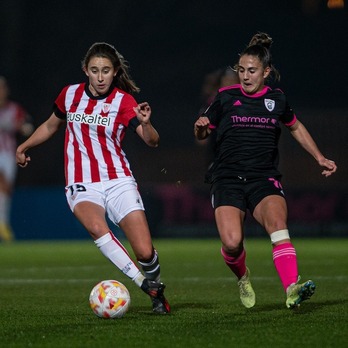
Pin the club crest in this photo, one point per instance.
(106, 108)
(269, 104)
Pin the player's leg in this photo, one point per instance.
(6, 233)
(136, 229)
(271, 213)
(92, 217)
(125, 208)
(8, 170)
(86, 202)
(229, 221)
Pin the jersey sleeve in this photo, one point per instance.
(134, 123)
(126, 112)
(59, 104)
(289, 117)
(213, 111)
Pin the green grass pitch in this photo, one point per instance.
(45, 288)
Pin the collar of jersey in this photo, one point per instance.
(258, 94)
(98, 97)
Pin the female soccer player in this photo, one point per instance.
(244, 175)
(14, 120)
(99, 180)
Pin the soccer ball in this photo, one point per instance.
(109, 299)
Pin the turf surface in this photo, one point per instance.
(45, 288)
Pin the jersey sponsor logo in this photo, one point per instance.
(253, 121)
(250, 119)
(269, 104)
(96, 119)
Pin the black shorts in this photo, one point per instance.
(244, 193)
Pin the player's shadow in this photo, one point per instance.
(304, 308)
(177, 307)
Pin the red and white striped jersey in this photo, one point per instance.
(12, 117)
(95, 129)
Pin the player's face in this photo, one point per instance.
(101, 73)
(252, 74)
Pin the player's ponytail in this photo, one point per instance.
(122, 79)
(262, 39)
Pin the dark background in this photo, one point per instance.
(171, 45)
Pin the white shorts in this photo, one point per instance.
(8, 166)
(118, 197)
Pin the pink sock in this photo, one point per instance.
(236, 264)
(285, 262)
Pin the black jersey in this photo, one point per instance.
(247, 132)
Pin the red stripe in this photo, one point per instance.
(77, 154)
(118, 148)
(66, 161)
(111, 170)
(94, 168)
(121, 246)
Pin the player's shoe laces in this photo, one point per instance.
(155, 290)
(246, 292)
(296, 293)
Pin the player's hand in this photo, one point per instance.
(202, 123)
(329, 165)
(143, 112)
(22, 159)
(201, 128)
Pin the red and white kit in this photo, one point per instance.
(12, 117)
(95, 129)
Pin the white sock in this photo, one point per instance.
(111, 248)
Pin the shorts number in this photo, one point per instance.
(77, 188)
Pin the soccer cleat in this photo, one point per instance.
(6, 234)
(155, 290)
(246, 292)
(296, 293)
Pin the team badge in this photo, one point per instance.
(106, 108)
(269, 104)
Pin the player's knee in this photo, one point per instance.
(96, 230)
(233, 248)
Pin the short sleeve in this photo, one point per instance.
(289, 117)
(59, 104)
(126, 112)
(213, 111)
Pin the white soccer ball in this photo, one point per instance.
(109, 299)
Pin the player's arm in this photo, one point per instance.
(201, 128)
(302, 136)
(44, 132)
(145, 130)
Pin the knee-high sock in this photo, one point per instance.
(111, 247)
(285, 262)
(236, 264)
(151, 267)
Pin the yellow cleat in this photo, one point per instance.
(6, 234)
(296, 293)
(246, 291)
